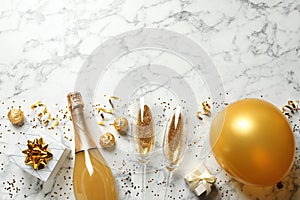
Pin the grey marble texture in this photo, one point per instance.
(253, 45)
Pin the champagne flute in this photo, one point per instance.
(175, 142)
(143, 136)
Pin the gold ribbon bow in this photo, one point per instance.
(37, 153)
(200, 176)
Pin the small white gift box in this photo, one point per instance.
(200, 180)
(58, 150)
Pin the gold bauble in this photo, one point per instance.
(121, 124)
(16, 116)
(253, 142)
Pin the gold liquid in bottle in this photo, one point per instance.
(92, 177)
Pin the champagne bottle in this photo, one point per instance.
(92, 177)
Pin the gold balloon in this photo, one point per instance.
(253, 142)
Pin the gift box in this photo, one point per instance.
(200, 180)
(58, 150)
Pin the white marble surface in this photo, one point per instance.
(254, 45)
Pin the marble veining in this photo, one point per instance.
(254, 45)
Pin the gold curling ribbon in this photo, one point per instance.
(115, 97)
(101, 123)
(200, 176)
(110, 101)
(44, 116)
(290, 108)
(206, 110)
(102, 110)
(105, 110)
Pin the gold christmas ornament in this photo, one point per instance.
(16, 116)
(107, 140)
(121, 124)
(37, 153)
(253, 141)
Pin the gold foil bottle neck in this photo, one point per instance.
(74, 100)
(83, 138)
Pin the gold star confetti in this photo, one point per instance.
(37, 153)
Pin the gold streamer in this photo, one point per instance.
(102, 123)
(290, 108)
(115, 97)
(107, 111)
(206, 110)
(110, 101)
(44, 116)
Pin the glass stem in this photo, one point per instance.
(144, 180)
(170, 174)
